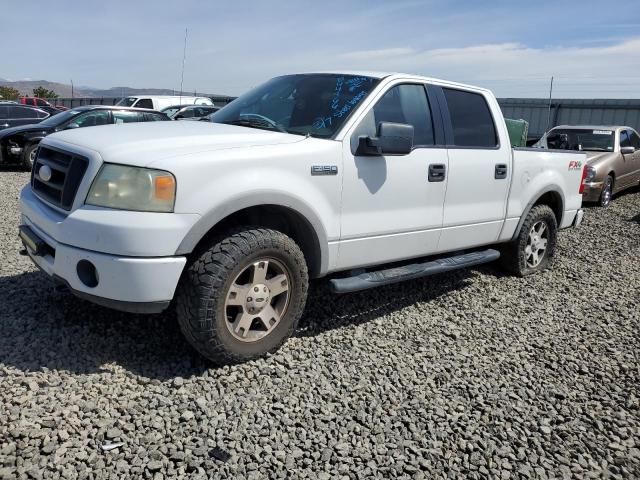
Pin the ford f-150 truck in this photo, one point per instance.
(367, 178)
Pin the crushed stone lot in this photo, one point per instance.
(473, 374)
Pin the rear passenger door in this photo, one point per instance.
(628, 174)
(479, 171)
(635, 143)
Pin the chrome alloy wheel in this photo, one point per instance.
(257, 299)
(536, 244)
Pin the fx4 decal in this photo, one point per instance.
(575, 165)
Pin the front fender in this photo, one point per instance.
(257, 199)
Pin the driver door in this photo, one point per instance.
(391, 208)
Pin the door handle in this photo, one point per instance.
(501, 171)
(437, 172)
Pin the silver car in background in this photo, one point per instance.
(613, 157)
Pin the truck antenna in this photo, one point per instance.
(184, 56)
(549, 109)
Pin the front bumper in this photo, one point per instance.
(140, 285)
(592, 191)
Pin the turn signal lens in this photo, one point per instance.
(164, 187)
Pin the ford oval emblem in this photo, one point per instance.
(45, 173)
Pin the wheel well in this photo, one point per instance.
(613, 179)
(554, 201)
(276, 217)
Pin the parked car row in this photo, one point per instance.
(18, 144)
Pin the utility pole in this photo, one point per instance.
(184, 56)
(549, 109)
(72, 92)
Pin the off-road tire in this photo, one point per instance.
(513, 256)
(205, 283)
(26, 156)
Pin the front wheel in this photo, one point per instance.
(29, 156)
(242, 298)
(534, 247)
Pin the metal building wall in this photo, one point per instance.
(571, 112)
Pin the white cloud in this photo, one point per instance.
(513, 69)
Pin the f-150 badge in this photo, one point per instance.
(324, 170)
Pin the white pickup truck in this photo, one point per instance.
(368, 178)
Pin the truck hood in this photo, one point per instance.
(594, 158)
(140, 144)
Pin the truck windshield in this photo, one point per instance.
(580, 139)
(127, 102)
(313, 104)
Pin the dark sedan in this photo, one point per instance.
(13, 115)
(19, 144)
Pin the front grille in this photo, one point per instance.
(67, 171)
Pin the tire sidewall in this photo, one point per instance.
(26, 160)
(287, 322)
(608, 183)
(537, 214)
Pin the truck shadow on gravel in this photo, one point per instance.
(45, 328)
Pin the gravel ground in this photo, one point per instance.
(471, 374)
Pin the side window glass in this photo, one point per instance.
(145, 103)
(42, 114)
(17, 112)
(635, 140)
(153, 117)
(3, 112)
(471, 119)
(406, 104)
(40, 102)
(126, 117)
(625, 139)
(92, 119)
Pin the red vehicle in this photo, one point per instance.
(35, 101)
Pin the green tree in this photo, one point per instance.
(9, 93)
(42, 92)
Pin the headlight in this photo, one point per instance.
(591, 175)
(133, 188)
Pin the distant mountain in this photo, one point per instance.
(25, 87)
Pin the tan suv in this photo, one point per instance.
(613, 157)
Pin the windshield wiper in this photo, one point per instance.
(255, 123)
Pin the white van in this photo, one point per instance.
(158, 102)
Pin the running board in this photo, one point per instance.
(409, 272)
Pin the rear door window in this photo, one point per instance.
(471, 119)
(17, 112)
(145, 103)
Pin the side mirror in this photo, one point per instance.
(178, 117)
(71, 126)
(627, 150)
(392, 139)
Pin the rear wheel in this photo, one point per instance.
(29, 156)
(533, 249)
(607, 192)
(243, 297)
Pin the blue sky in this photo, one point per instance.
(512, 47)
